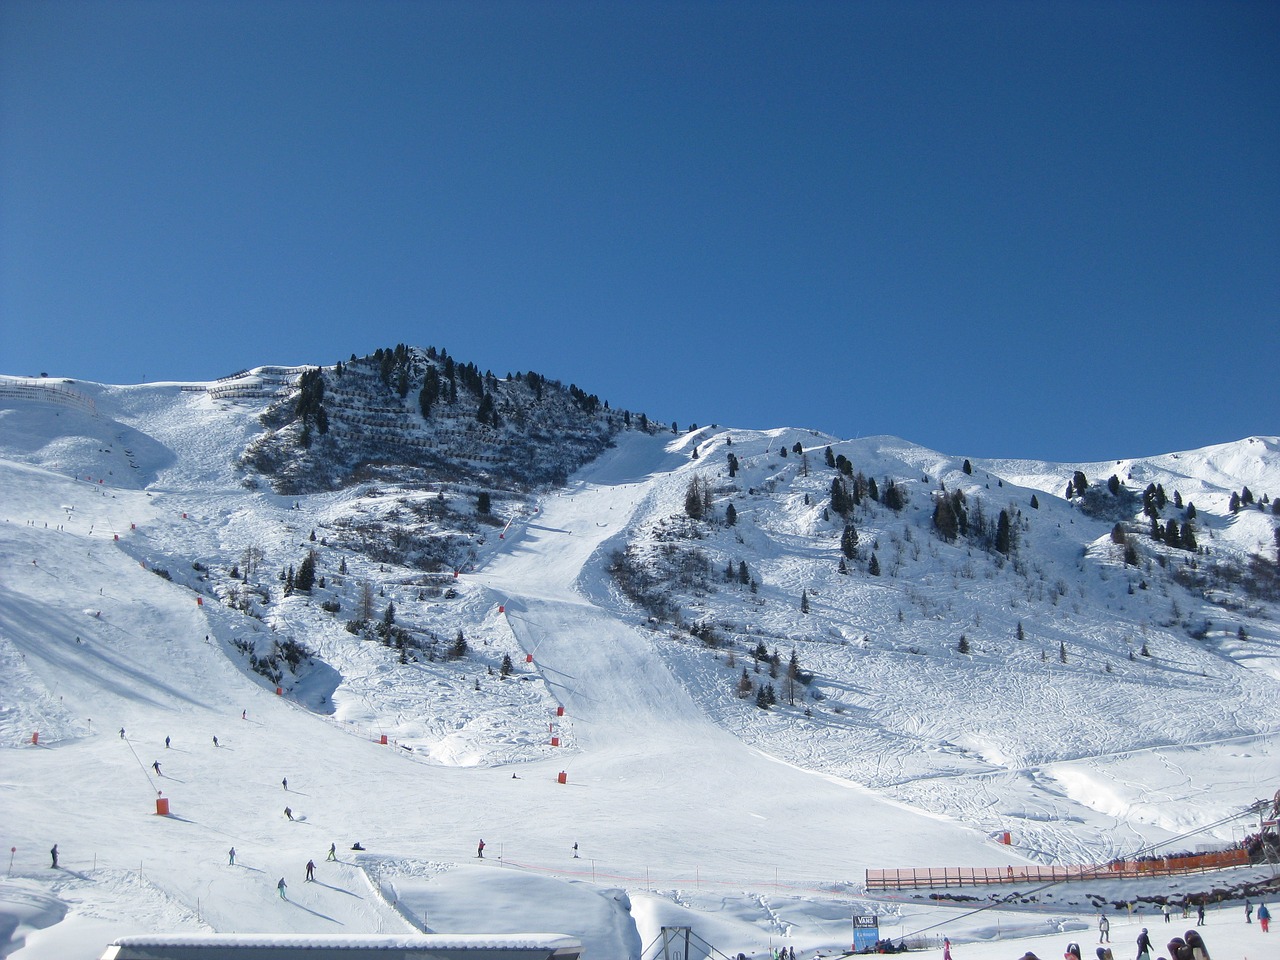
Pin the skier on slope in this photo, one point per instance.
(480, 850)
(280, 886)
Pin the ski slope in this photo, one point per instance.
(677, 816)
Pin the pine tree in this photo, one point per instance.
(458, 649)
(1035, 502)
(745, 686)
(893, 497)
(849, 541)
(483, 503)
(1188, 538)
(730, 515)
(693, 500)
(1062, 651)
(968, 467)
(1004, 534)
(839, 497)
(873, 567)
(804, 601)
(944, 519)
(430, 392)
(305, 578)
(1130, 554)
(963, 645)
(733, 465)
(507, 665)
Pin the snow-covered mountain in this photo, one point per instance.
(567, 623)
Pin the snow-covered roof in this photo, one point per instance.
(266, 946)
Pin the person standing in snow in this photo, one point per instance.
(1264, 918)
(285, 783)
(122, 733)
(1167, 911)
(280, 886)
(166, 743)
(54, 855)
(480, 850)
(1200, 914)
(311, 871)
(333, 852)
(157, 767)
(288, 813)
(215, 741)
(1248, 911)
(1144, 945)
(946, 948)
(1104, 929)
(231, 857)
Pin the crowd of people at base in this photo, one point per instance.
(1189, 946)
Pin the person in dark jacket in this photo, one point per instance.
(1144, 945)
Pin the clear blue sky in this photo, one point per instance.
(998, 229)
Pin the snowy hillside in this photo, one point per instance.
(586, 693)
